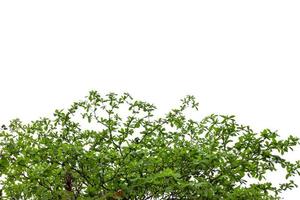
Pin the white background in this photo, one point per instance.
(237, 57)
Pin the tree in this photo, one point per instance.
(113, 147)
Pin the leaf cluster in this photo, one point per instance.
(114, 147)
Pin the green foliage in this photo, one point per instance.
(113, 147)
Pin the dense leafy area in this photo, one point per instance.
(113, 147)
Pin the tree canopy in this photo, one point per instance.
(115, 147)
